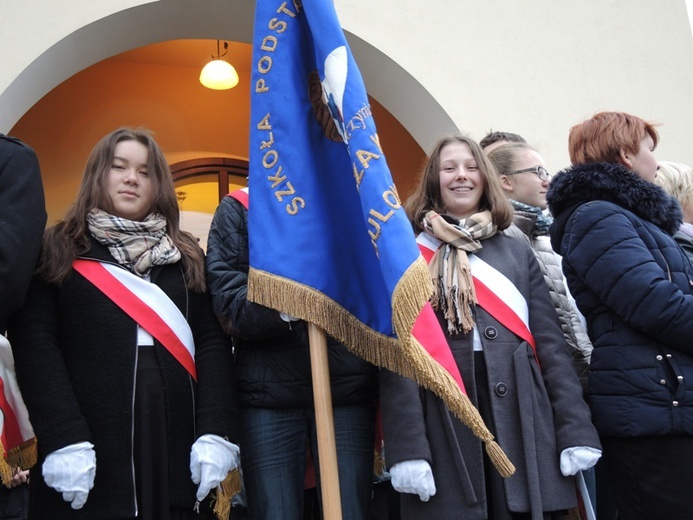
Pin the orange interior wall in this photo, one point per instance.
(188, 121)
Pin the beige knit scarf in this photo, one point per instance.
(139, 246)
(450, 270)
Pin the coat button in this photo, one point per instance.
(679, 378)
(675, 403)
(490, 333)
(501, 389)
(662, 381)
(659, 358)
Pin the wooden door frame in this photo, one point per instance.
(223, 167)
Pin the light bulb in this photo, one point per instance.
(219, 75)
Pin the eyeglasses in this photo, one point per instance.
(540, 171)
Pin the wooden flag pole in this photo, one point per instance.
(324, 422)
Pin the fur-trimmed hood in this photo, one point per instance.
(612, 183)
(631, 282)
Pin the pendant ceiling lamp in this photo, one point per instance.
(219, 74)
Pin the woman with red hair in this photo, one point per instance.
(614, 226)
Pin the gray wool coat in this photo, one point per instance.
(575, 333)
(537, 408)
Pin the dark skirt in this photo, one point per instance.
(495, 489)
(651, 477)
(151, 445)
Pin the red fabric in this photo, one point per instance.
(241, 196)
(310, 481)
(427, 331)
(11, 434)
(136, 309)
(490, 302)
(497, 308)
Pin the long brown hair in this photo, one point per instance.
(427, 195)
(69, 238)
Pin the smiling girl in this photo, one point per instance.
(519, 377)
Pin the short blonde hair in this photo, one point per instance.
(677, 180)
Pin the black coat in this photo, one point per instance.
(272, 356)
(22, 218)
(632, 283)
(76, 359)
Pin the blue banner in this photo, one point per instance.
(325, 212)
(329, 240)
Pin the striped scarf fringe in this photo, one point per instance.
(453, 288)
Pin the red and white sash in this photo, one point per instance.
(147, 304)
(426, 329)
(241, 195)
(495, 293)
(16, 432)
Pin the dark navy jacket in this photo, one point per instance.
(633, 284)
(272, 356)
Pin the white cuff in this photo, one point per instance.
(415, 477)
(211, 459)
(578, 458)
(71, 471)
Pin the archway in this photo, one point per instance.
(386, 81)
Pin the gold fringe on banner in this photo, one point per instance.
(405, 356)
(229, 488)
(21, 457)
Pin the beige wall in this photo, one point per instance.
(535, 67)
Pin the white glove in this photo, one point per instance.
(211, 459)
(415, 477)
(71, 471)
(578, 458)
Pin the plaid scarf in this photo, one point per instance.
(541, 226)
(453, 289)
(138, 246)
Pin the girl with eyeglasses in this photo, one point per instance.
(525, 181)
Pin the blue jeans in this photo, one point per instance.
(273, 456)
